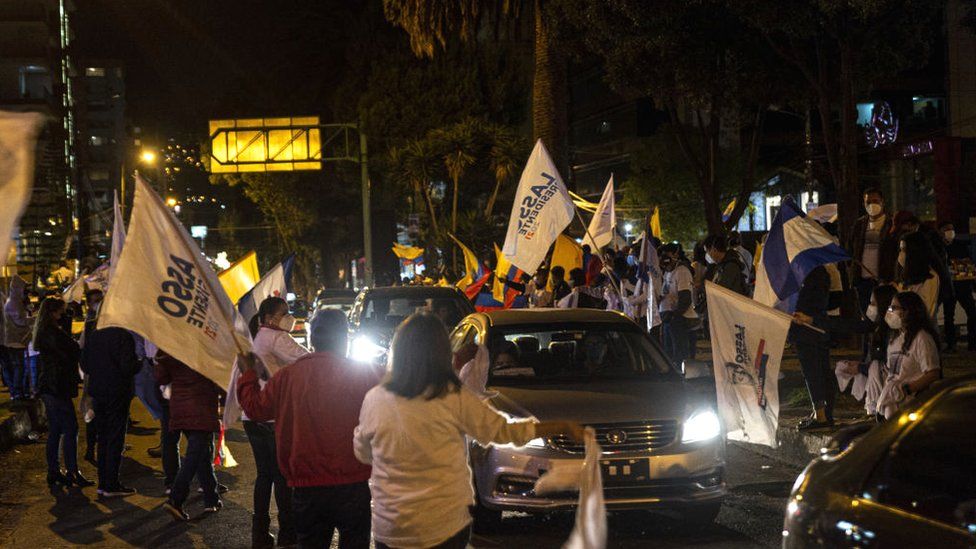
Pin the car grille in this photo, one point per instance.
(638, 436)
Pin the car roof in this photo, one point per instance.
(511, 317)
(413, 291)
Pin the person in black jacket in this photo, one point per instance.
(957, 251)
(813, 349)
(58, 385)
(110, 362)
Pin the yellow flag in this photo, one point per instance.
(656, 223)
(567, 254)
(472, 267)
(407, 252)
(757, 257)
(239, 278)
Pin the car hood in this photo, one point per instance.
(597, 402)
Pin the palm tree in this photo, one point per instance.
(457, 144)
(415, 163)
(430, 23)
(505, 155)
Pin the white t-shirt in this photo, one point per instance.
(905, 367)
(675, 281)
(872, 246)
(276, 349)
(927, 290)
(421, 482)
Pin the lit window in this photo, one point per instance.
(96, 140)
(94, 71)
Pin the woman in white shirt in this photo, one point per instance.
(915, 272)
(913, 353)
(276, 348)
(412, 430)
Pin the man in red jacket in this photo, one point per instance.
(315, 404)
(193, 405)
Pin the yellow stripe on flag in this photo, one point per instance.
(656, 223)
(407, 252)
(471, 265)
(566, 254)
(239, 278)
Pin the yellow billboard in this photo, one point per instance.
(265, 144)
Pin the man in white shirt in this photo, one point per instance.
(677, 314)
(873, 247)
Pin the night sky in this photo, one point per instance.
(189, 61)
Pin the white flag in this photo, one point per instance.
(590, 530)
(18, 137)
(747, 346)
(541, 211)
(165, 291)
(273, 283)
(118, 235)
(601, 229)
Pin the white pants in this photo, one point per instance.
(864, 387)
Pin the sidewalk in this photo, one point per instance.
(18, 419)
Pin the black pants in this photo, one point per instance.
(91, 437)
(457, 541)
(169, 445)
(112, 420)
(677, 339)
(319, 510)
(62, 432)
(820, 380)
(963, 291)
(262, 439)
(198, 462)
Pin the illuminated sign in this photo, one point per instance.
(265, 145)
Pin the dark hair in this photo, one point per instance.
(505, 347)
(329, 332)
(918, 258)
(717, 242)
(734, 239)
(48, 306)
(578, 277)
(917, 319)
(268, 307)
(698, 254)
(421, 359)
(883, 295)
(873, 190)
(945, 223)
(558, 272)
(586, 248)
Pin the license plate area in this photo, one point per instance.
(617, 472)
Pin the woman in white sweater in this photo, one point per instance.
(412, 430)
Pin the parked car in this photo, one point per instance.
(331, 296)
(663, 445)
(378, 311)
(909, 482)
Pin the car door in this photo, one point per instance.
(923, 492)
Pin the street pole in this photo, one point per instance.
(367, 216)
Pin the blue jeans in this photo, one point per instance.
(30, 375)
(13, 373)
(62, 432)
(198, 462)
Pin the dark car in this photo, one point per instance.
(909, 482)
(334, 296)
(378, 311)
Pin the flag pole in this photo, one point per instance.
(586, 229)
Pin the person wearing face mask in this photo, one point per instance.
(873, 247)
(913, 354)
(726, 265)
(915, 272)
(957, 253)
(865, 376)
(677, 315)
(813, 349)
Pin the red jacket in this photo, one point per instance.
(193, 400)
(315, 404)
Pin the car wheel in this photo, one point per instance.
(486, 521)
(702, 514)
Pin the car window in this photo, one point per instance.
(389, 311)
(930, 471)
(576, 352)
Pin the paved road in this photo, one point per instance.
(30, 516)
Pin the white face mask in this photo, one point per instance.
(949, 236)
(873, 209)
(872, 313)
(708, 259)
(893, 320)
(287, 323)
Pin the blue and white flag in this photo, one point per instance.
(795, 246)
(274, 283)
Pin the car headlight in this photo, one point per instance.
(364, 349)
(536, 443)
(700, 426)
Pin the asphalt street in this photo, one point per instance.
(31, 516)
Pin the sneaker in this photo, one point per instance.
(117, 492)
(214, 508)
(221, 489)
(176, 510)
(811, 423)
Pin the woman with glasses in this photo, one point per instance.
(865, 376)
(913, 354)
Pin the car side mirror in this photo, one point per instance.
(696, 369)
(844, 438)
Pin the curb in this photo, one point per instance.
(20, 421)
(795, 448)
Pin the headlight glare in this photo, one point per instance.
(364, 349)
(703, 425)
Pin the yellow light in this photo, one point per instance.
(171, 202)
(147, 156)
(912, 416)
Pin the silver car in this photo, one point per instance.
(663, 445)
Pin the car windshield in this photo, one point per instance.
(550, 354)
(386, 312)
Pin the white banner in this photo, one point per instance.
(18, 137)
(600, 232)
(165, 291)
(747, 346)
(118, 235)
(542, 209)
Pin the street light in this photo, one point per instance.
(147, 156)
(171, 202)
